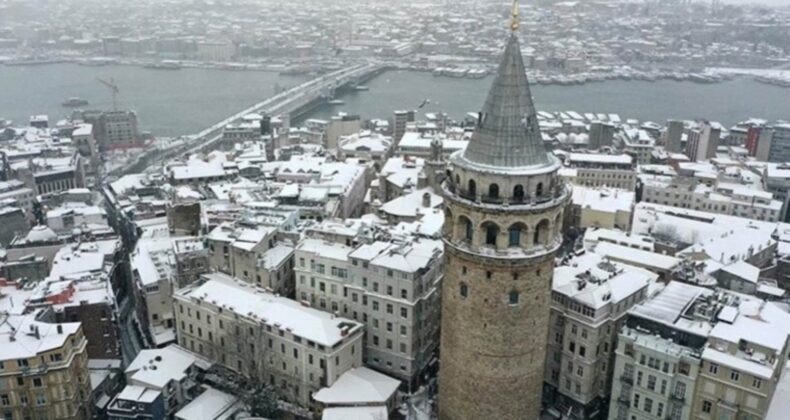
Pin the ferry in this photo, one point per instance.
(361, 88)
(164, 65)
(74, 102)
(336, 102)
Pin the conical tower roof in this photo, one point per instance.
(507, 134)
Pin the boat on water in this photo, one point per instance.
(164, 65)
(361, 88)
(336, 102)
(74, 102)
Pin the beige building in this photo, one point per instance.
(695, 353)
(43, 369)
(742, 361)
(259, 335)
(601, 208)
(392, 287)
(598, 170)
(590, 299)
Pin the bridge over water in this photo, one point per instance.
(288, 103)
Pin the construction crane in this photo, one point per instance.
(114, 89)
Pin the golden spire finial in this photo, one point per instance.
(514, 17)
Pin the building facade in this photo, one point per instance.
(265, 337)
(504, 203)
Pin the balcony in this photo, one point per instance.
(627, 379)
(624, 400)
(679, 398)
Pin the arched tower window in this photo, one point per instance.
(514, 235)
(541, 234)
(491, 231)
(539, 189)
(469, 231)
(472, 190)
(493, 191)
(518, 193)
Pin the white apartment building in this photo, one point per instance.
(392, 287)
(259, 335)
(724, 198)
(598, 170)
(590, 298)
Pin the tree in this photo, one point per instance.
(262, 401)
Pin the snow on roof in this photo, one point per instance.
(325, 249)
(595, 282)
(743, 270)
(358, 386)
(212, 404)
(155, 368)
(603, 199)
(759, 322)
(274, 257)
(411, 204)
(400, 171)
(26, 345)
(355, 413)
(409, 257)
(667, 306)
(138, 394)
(623, 159)
(241, 298)
(636, 256)
(153, 259)
(738, 363)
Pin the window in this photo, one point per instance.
(735, 375)
(706, 406)
(680, 390)
(713, 368)
(472, 190)
(469, 230)
(404, 313)
(582, 351)
(651, 382)
(492, 231)
(648, 405)
(493, 191)
(514, 236)
(518, 193)
(464, 291)
(513, 298)
(539, 189)
(636, 401)
(757, 383)
(572, 346)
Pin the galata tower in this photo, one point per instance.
(504, 203)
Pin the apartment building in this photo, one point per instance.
(159, 382)
(234, 248)
(742, 361)
(723, 198)
(590, 298)
(659, 353)
(268, 338)
(43, 368)
(392, 287)
(695, 353)
(597, 170)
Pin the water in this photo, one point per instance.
(186, 101)
(168, 103)
(728, 102)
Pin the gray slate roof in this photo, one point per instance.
(502, 139)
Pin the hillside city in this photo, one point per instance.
(514, 263)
